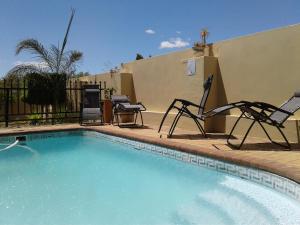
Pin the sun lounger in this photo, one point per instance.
(264, 113)
(184, 109)
(90, 106)
(122, 106)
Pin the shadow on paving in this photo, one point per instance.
(266, 147)
(134, 126)
(200, 136)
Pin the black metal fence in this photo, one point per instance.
(15, 109)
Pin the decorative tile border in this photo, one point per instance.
(32, 137)
(264, 178)
(7, 139)
(36, 136)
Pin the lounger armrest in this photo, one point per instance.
(186, 102)
(223, 108)
(243, 102)
(139, 103)
(270, 108)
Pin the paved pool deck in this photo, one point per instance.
(256, 153)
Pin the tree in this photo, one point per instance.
(204, 35)
(46, 89)
(81, 74)
(138, 56)
(52, 60)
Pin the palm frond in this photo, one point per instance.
(36, 48)
(66, 37)
(53, 59)
(68, 29)
(22, 70)
(55, 55)
(71, 57)
(13, 76)
(75, 56)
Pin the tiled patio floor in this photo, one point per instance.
(257, 153)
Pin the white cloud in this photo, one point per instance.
(174, 43)
(178, 32)
(34, 63)
(150, 31)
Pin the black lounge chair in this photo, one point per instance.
(122, 106)
(90, 104)
(264, 113)
(184, 109)
(257, 111)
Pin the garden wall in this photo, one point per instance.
(259, 67)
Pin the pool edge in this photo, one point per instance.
(280, 169)
(254, 163)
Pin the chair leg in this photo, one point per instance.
(244, 138)
(165, 116)
(232, 129)
(264, 129)
(288, 145)
(175, 121)
(171, 130)
(174, 124)
(136, 115)
(284, 137)
(113, 119)
(102, 119)
(200, 127)
(118, 122)
(141, 118)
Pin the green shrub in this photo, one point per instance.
(34, 118)
(138, 56)
(46, 89)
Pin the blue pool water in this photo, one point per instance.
(89, 180)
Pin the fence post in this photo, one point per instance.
(6, 106)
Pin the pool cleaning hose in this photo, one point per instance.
(10, 146)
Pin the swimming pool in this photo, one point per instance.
(85, 177)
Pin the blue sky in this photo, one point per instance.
(110, 32)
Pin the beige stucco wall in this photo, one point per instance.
(112, 80)
(121, 82)
(157, 81)
(156, 85)
(259, 67)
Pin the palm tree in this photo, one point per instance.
(52, 60)
(204, 34)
